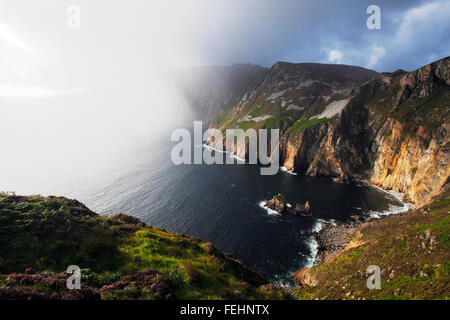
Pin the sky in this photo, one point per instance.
(81, 80)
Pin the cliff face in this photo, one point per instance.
(408, 165)
(350, 123)
(412, 141)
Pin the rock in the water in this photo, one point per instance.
(278, 203)
(303, 209)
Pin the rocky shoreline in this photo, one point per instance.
(334, 236)
(332, 240)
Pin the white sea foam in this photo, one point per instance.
(393, 209)
(313, 247)
(284, 169)
(312, 244)
(333, 222)
(216, 150)
(223, 151)
(269, 211)
(318, 225)
(237, 158)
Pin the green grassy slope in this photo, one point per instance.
(121, 257)
(412, 251)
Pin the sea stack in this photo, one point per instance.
(278, 203)
(303, 209)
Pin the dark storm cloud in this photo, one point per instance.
(413, 33)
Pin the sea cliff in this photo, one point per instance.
(352, 124)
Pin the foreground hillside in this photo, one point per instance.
(350, 123)
(120, 257)
(412, 251)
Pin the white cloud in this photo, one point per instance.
(376, 53)
(33, 92)
(20, 74)
(10, 38)
(416, 18)
(335, 56)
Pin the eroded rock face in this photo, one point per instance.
(406, 165)
(304, 277)
(423, 81)
(413, 146)
(395, 148)
(393, 131)
(277, 203)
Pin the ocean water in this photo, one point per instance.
(221, 204)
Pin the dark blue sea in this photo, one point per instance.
(221, 204)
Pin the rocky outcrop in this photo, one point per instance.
(277, 203)
(304, 277)
(422, 82)
(303, 209)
